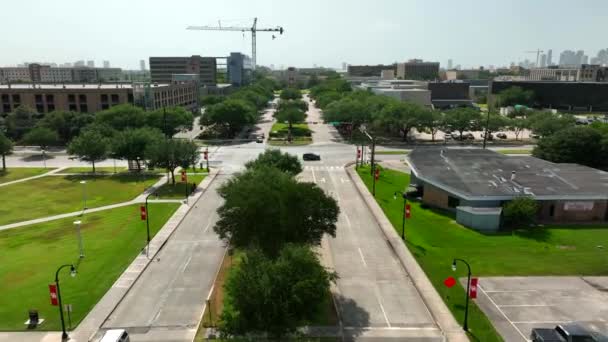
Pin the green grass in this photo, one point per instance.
(392, 152)
(298, 130)
(435, 239)
(103, 169)
(15, 173)
(515, 151)
(178, 190)
(53, 195)
(31, 255)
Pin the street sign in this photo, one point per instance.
(449, 282)
(473, 288)
(184, 177)
(408, 211)
(53, 292)
(143, 212)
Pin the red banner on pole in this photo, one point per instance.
(206, 155)
(184, 177)
(408, 211)
(53, 292)
(473, 288)
(358, 153)
(377, 174)
(143, 212)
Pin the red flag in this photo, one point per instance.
(184, 176)
(53, 292)
(377, 174)
(473, 288)
(358, 153)
(205, 154)
(408, 211)
(143, 212)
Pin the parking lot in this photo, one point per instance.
(516, 305)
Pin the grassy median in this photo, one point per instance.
(177, 190)
(53, 195)
(15, 173)
(435, 239)
(301, 134)
(31, 255)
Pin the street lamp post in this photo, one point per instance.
(465, 325)
(79, 234)
(64, 335)
(404, 195)
(84, 195)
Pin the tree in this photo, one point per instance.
(274, 296)
(211, 100)
(170, 120)
(232, 114)
(122, 117)
(90, 146)
(518, 125)
(581, 145)
(547, 123)
(400, 115)
(494, 122)
(348, 109)
(41, 136)
(282, 161)
(520, 211)
(21, 121)
(6, 147)
(171, 153)
(66, 124)
(131, 144)
(431, 122)
(515, 96)
(298, 104)
(267, 208)
(313, 81)
(290, 115)
(291, 94)
(462, 119)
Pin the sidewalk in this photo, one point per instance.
(440, 312)
(89, 326)
(50, 173)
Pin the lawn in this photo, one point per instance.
(53, 195)
(178, 190)
(392, 152)
(31, 255)
(435, 239)
(103, 169)
(302, 135)
(515, 151)
(15, 173)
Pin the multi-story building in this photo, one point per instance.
(91, 64)
(240, 69)
(106, 64)
(368, 70)
(91, 98)
(582, 73)
(549, 57)
(142, 65)
(109, 74)
(416, 69)
(46, 74)
(162, 68)
(462, 74)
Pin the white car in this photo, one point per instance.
(115, 335)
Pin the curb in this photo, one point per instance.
(439, 311)
(204, 186)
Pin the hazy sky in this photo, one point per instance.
(322, 32)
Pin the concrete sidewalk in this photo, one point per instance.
(89, 326)
(440, 312)
(50, 173)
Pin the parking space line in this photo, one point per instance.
(502, 312)
(362, 257)
(542, 322)
(314, 179)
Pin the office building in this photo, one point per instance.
(368, 70)
(543, 60)
(582, 73)
(79, 63)
(35, 72)
(416, 69)
(549, 57)
(387, 74)
(462, 74)
(142, 65)
(106, 64)
(426, 94)
(91, 64)
(91, 98)
(449, 64)
(240, 69)
(162, 68)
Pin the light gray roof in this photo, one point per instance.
(478, 174)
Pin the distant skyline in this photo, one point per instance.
(326, 33)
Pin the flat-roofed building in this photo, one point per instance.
(416, 69)
(369, 70)
(162, 68)
(240, 69)
(91, 98)
(40, 73)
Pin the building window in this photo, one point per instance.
(130, 98)
(72, 98)
(6, 108)
(82, 98)
(114, 98)
(84, 108)
(5, 98)
(50, 107)
(552, 210)
(16, 98)
(72, 107)
(38, 98)
(40, 108)
(453, 202)
(50, 98)
(104, 97)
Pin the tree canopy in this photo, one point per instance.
(520, 211)
(170, 120)
(6, 147)
(90, 146)
(290, 94)
(131, 144)
(21, 121)
(267, 208)
(547, 123)
(515, 96)
(122, 117)
(232, 115)
(581, 145)
(67, 124)
(41, 136)
(171, 153)
(462, 119)
(274, 157)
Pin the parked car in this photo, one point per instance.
(501, 135)
(490, 136)
(116, 335)
(469, 136)
(565, 333)
(259, 139)
(311, 156)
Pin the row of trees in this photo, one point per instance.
(291, 109)
(274, 220)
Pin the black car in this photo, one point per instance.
(311, 156)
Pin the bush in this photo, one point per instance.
(520, 211)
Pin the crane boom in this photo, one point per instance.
(537, 52)
(253, 29)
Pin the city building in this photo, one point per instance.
(560, 95)
(426, 94)
(549, 57)
(162, 68)
(106, 64)
(543, 60)
(387, 74)
(79, 63)
(449, 64)
(416, 69)
(91, 64)
(35, 72)
(142, 65)
(445, 95)
(240, 69)
(91, 98)
(368, 70)
(462, 74)
(581, 73)
(477, 183)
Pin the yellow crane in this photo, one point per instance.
(253, 29)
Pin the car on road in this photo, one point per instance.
(502, 135)
(311, 156)
(469, 136)
(115, 335)
(564, 333)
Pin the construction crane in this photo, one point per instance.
(537, 52)
(253, 29)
